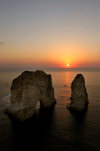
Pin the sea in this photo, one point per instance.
(54, 129)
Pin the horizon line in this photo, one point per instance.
(49, 68)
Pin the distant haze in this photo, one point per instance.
(50, 33)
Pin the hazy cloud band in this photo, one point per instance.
(1, 43)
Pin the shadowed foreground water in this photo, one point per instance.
(56, 129)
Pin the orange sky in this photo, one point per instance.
(34, 36)
(55, 56)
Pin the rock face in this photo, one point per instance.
(79, 97)
(27, 90)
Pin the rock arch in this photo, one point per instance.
(26, 90)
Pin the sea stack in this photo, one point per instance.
(26, 90)
(79, 96)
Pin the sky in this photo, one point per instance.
(50, 33)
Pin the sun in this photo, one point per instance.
(67, 65)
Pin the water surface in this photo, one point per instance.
(57, 129)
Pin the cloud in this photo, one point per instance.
(1, 43)
(79, 12)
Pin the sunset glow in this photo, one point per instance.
(35, 36)
(49, 75)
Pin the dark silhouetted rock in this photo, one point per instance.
(27, 90)
(79, 97)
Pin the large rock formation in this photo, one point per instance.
(27, 90)
(79, 97)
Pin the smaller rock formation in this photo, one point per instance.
(79, 97)
(26, 90)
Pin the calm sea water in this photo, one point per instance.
(57, 129)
